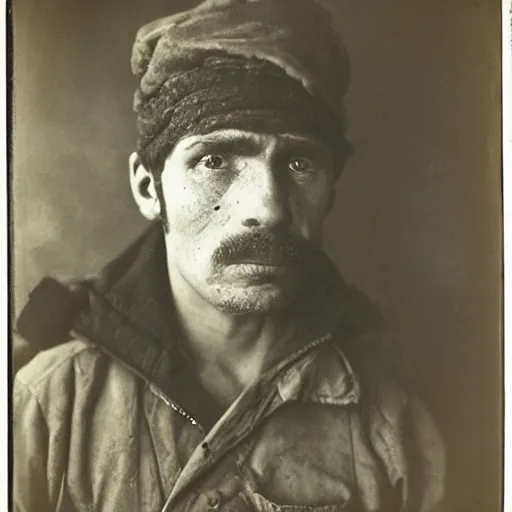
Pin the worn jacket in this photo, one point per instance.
(108, 417)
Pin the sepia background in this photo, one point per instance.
(417, 223)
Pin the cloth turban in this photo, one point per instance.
(268, 65)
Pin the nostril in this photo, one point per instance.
(251, 223)
(217, 208)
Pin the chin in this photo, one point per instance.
(255, 300)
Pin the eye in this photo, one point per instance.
(300, 165)
(213, 162)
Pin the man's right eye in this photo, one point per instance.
(213, 162)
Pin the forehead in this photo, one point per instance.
(255, 139)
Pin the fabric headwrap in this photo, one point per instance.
(262, 65)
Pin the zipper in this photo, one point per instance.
(279, 367)
(174, 406)
(293, 357)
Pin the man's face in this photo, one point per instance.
(245, 214)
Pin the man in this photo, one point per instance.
(220, 362)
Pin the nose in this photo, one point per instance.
(265, 198)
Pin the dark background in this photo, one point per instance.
(417, 223)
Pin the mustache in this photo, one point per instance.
(263, 245)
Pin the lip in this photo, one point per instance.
(263, 262)
(258, 263)
(261, 268)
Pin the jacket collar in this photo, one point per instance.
(322, 376)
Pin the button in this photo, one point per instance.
(213, 500)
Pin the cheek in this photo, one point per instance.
(192, 205)
(310, 206)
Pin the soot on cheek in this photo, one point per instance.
(197, 205)
(199, 214)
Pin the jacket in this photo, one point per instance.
(108, 417)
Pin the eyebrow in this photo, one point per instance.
(240, 144)
(245, 144)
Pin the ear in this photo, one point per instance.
(143, 188)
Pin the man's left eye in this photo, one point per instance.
(300, 165)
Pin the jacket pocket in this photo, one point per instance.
(263, 504)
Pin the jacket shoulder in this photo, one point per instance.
(72, 377)
(70, 372)
(56, 361)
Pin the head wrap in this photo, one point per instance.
(273, 65)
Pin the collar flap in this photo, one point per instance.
(323, 376)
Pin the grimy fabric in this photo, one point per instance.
(106, 422)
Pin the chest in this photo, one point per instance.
(300, 457)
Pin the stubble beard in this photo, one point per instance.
(264, 297)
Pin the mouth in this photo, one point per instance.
(261, 262)
(261, 269)
(274, 259)
(265, 262)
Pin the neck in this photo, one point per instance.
(227, 347)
